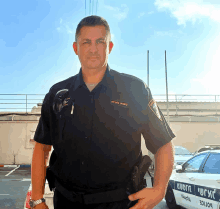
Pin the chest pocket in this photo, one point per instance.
(119, 109)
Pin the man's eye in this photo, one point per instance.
(85, 42)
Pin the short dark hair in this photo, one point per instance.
(92, 20)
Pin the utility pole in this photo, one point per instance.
(167, 89)
(148, 68)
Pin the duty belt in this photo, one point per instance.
(95, 198)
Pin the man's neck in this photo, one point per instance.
(93, 75)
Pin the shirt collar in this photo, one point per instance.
(80, 82)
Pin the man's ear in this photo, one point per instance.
(110, 46)
(75, 48)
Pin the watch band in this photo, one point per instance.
(33, 203)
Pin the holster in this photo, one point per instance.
(49, 174)
(50, 178)
(139, 172)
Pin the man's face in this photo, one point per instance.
(93, 47)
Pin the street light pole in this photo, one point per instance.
(148, 68)
(167, 89)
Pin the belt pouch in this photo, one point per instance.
(50, 178)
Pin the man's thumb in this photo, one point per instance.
(131, 197)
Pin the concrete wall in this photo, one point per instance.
(15, 144)
(194, 135)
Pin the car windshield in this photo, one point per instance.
(182, 151)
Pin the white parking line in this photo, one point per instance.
(10, 166)
(12, 171)
(4, 194)
(26, 180)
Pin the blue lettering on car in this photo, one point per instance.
(207, 192)
(199, 191)
(186, 198)
(206, 204)
(183, 187)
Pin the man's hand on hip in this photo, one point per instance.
(148, 198)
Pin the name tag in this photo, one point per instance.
(119, 103)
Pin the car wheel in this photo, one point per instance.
(170, 199)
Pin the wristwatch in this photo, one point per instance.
(33, 203)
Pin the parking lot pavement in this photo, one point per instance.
(13, 187)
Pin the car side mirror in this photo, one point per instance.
(179, 168)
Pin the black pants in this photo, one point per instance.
(60, 202)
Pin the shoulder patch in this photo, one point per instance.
(153, 106)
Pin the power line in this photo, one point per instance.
(91, 7)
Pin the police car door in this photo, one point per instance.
(185, 181)
(207, 188)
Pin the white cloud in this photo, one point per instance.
(141, 14)
(189, 10)
(119, 13)
(65, 27)
(68, 29)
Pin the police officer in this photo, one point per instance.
(94, 121)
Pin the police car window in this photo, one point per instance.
(194, 163)
(212, 164)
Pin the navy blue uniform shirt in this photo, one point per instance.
(97, 135)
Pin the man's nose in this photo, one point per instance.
(93, 47)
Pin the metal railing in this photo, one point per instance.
(187, 98)
(25, 102)
(19, 102)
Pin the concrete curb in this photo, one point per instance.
(14, 166)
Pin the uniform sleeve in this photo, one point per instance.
(42, 134)
(155, 129)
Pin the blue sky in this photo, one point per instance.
(36, 43)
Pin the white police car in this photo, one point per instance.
(196, 183)
(181, 156)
